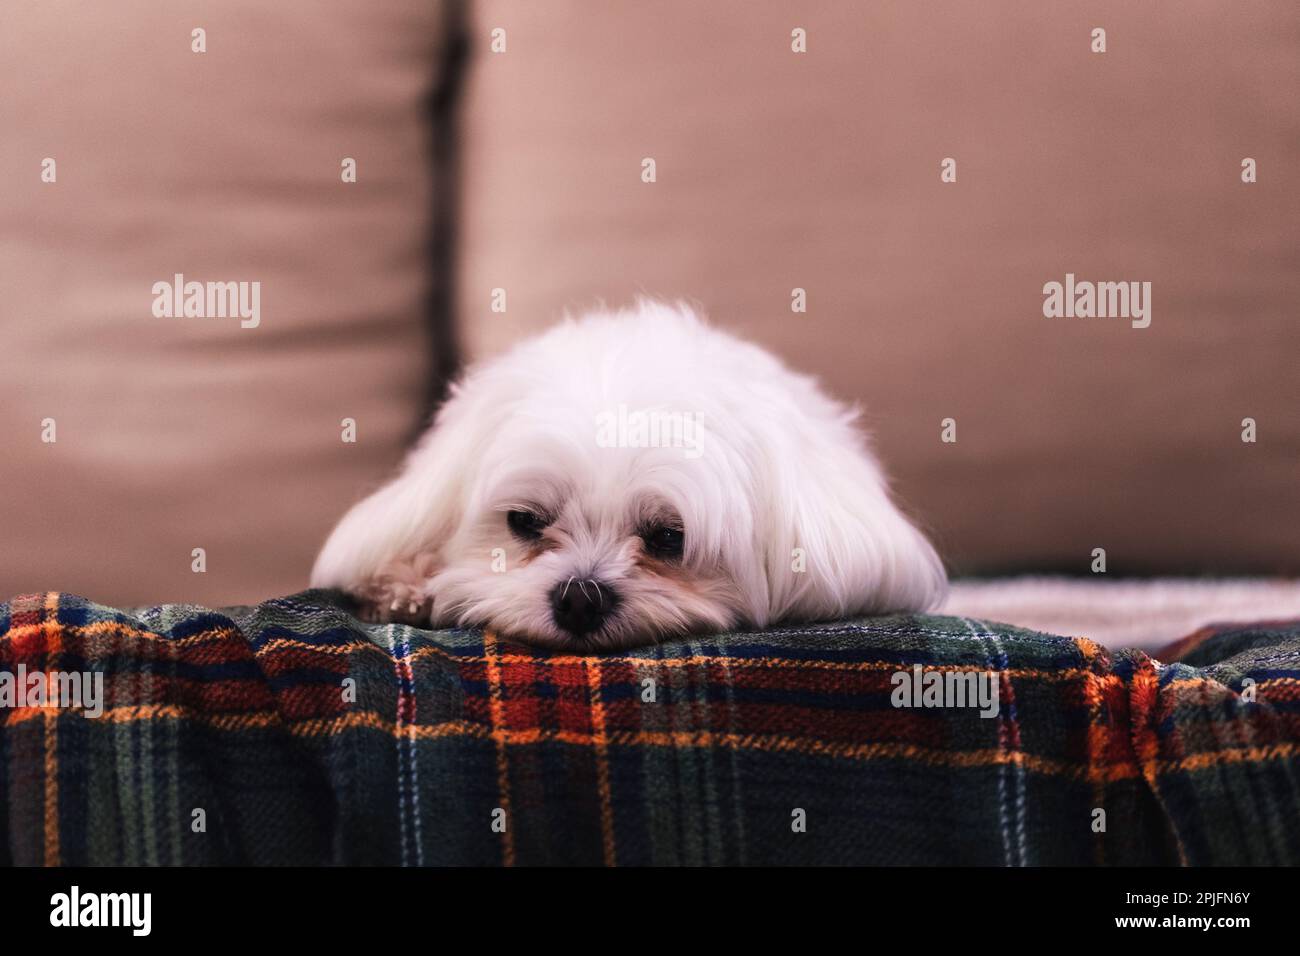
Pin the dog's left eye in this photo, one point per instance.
(525, 524)
(664, 542)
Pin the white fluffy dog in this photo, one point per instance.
(626, 477)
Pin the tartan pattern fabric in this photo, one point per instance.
(298, 735)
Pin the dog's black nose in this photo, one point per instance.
(580, 607)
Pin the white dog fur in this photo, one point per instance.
(784, 511)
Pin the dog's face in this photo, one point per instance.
(624, 479)
(583, 546)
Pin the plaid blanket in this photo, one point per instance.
(291, 732)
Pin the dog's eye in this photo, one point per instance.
(664, 542)
(525, 524)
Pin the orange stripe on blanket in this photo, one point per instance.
(552, 660)
(599, 744)
(497, 709)
(571, 660)
(53, 645)
(769, 663)
(119, 629)
(678, 739)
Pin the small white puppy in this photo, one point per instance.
(626, 477)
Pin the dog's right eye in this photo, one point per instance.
(525, 524)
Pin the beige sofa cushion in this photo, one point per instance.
(821, 171)
(183, 433)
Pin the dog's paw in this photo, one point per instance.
(397, 611)
(398, 594)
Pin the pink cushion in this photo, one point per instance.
(183, 433)
(821, 170)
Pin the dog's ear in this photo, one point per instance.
(843, 547)
(391, 538)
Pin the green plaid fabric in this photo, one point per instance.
(293, 733)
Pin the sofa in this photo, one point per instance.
(881, 195)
